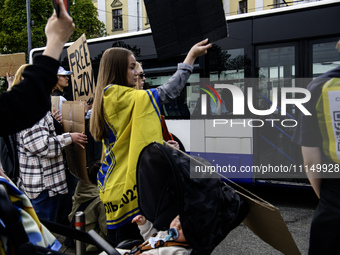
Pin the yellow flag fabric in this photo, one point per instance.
(133, 121)
(36, 232)
(328, 113)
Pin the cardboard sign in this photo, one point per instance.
(177, 25)
(54, 103)
(83, 83)
(267, 223)
(74, 121)
(10, 63)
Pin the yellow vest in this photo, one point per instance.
(133, 120)
(328, 112)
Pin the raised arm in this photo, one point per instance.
(196, 51)
(58, 31)
(176, 83)
(29, 100)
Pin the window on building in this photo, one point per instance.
(147, 21)
(280, 3)
(242, 5)
(117, 19)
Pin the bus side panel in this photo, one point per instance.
(229, 147)
(190, 132)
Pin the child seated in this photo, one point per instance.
(160, 242)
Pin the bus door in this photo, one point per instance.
(278, 67)
(274, 150)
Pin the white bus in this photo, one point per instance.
(278, 48)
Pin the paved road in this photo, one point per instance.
(297, 209)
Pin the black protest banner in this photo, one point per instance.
(83, 83)
(177, 25)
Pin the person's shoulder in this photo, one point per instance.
(57, 92)
(335, 72)
(322, 79)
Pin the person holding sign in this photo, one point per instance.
(58, 90)
(120, 115)
(29, 101)
(42, 171)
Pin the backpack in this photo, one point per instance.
(9, 156)
(208, 208)
(328, 114)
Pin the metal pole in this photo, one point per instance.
(137, 15)
(79, 223)
(28, 9)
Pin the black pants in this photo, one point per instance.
(325, 229)
(129, 231)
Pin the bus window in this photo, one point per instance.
(227, 65)
(325, 57)
(193, 97)
(276, 69)
(178, 108)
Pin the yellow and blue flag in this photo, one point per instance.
(133, 121)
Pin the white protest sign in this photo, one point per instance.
(83, 83)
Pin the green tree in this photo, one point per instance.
(84, 15)
(13, 26)
(13, 23)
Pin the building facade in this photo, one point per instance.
(121, 16)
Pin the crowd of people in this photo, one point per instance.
(40, 141)
(121, 107)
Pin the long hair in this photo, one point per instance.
(18, 75)
(112, 70)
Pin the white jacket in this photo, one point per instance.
(147, 231)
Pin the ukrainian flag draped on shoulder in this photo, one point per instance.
(36, 232)
(133, 121)
(328, 112)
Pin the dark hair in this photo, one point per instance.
(93, 171)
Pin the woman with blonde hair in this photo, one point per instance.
(9, 162)
(17, 78)
(140, 76)
(126, 120)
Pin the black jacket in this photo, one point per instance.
(29, 101)
(9, 156)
